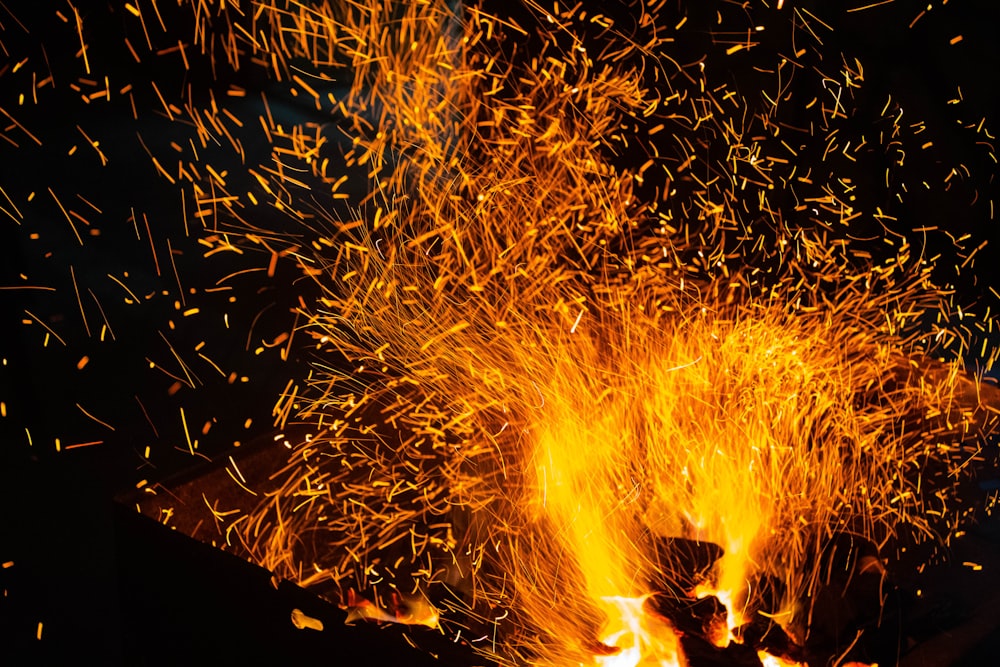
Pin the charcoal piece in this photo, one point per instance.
(683, 564)
(702, 653)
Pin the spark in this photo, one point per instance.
(45, 326)
(872, 5)
(68, 218)
(79, 31)
(187, 435)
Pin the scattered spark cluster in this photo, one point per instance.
(567, 297)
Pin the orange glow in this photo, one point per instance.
(406, 610)
(722, 635)
(643, 639)
(769, 660)
(553, 296)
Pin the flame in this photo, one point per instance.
(722, 635)
(584, 495)
(768, 660)
(642, 638)
(403, 609)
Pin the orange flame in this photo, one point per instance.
(404, 609)
(723, 635)
(769, 660)
(643, 638)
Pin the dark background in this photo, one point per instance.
(112, 587)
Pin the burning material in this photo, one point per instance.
(587, 310)
(303, 621)
(410, 610)
(768, 660)
(638, 637)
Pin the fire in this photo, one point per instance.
(587, 306)
(404, 609)
(768, 660)
(547, 379)
(642, 638)
(722, 635)
(704, 416)
(584, 496)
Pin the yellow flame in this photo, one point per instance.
(643, 639)
(768, 660)
(723, 635)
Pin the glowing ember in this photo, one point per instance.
(407, 610)
(768, 660)
(722, 635)
(303, 621)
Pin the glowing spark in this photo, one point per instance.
(302, 621)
